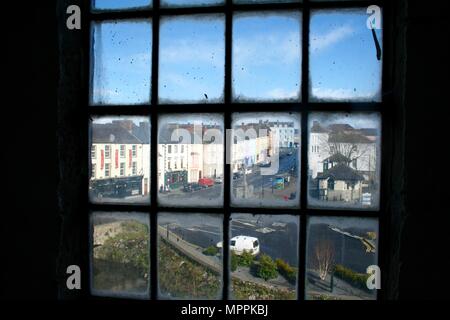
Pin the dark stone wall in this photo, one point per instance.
(425, 52)
(28, 122)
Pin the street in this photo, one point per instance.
(258, 186)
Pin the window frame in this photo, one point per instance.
(227, 108)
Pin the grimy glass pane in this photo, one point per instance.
(120, 160)
(264, 257)
(190, 3)
(344, 62)
(265, 159)
(191, 59)
(266, 56)
(120, 263)
(190, 160)
(338, 253)
(120, 4)
(189, 256)
(121, 62)
(344, 160)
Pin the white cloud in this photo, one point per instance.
(199, 52)
(267, 49)
(341, 94)
(280, 93)
(321, 42)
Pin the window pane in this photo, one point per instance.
(263, 256)
(121, 64)
(190, 160)
(189, 258)
(265, 159)
(120, 4)
(190, 3)
(120, 160)
(338, 252)
(344, 160)
(343, 57)
(266, 56)
(120, 264)
(192, 57)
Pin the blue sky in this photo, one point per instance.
(266, 58)
(122, 62)
(356, 120)
(192, 55)
(180, 3)
(343, 62)
(120, 4)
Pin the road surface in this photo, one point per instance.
(195, 253)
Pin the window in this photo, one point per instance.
(339, 250)
(120, 264)
(114, 186)
(107, 151)
(93, 152)
(193, 185)
(182, 235)
(107, 170)
(93, 173)
(293, 189)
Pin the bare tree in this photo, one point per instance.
(324, 256)
(342, 144)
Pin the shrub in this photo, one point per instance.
(288, 272)
(234, 261)
(371, 235)
(211, 251)
(358, 280)
(245, 259)
(267, 268)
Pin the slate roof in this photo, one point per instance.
(342, 137)
(341, 172)
(317, 128)
(113, 133)
(165, 133)
(337, 157)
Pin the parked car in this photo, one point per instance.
(236, 175)
(206, 182)
(218, 180)
(241, 244)
(265, 164)
(190, 187)
(248, 171)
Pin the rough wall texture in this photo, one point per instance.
(425, 98)
(72, 152)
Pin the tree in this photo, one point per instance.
(324, 257)
(350, 147)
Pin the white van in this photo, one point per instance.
(239, 244)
